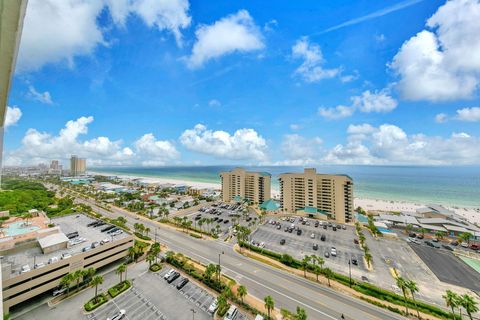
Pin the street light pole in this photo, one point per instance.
(219, 266)
(193, 313)
(350, 271)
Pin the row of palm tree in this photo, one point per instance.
(152, 256)
(455, 301)
(140, 228)
(76, 276)
(361, 239)
(408, 287)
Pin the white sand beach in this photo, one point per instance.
(471, 214)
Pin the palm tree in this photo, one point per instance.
(422, 231)
(413, 288)
(242, 292)
(132, 252)
(368, 258)
(408, 228)
(77, 275)
(269, 305)
(147, 231)
(26, 217)
(88, 273)
(469, 304)
(301, 314)
(328, 274)
(451, 300)
(120, 270)
(305, 261)
(66, 281)
(150, 259)
(95, 282)
(402, 284)
(439, 235)
(465, 237)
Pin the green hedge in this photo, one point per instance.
(362, 287)
(119, 288)
(155, 267)
(92, 305)
(142, 236)
(223, 309)
(195, 235)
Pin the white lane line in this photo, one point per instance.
(271, 289)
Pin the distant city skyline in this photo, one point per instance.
(204, 83)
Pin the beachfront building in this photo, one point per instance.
(329, 195)
(78, 166)
(240, 185)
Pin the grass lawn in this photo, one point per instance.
(155, 267)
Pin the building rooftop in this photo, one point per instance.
(30, 253)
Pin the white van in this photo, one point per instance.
(231, 313)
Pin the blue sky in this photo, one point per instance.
(226, 82)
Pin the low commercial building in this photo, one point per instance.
(36, 264)
(240, 185)
(329, 195)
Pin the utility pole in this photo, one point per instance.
(193, 313)
(350, 271)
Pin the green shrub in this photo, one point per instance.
(92, 304)
(223, 309)
(195, 235)
(142, 236)
(119, 288)
(155, 267)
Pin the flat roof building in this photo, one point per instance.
(314, 193)
(239, 185)
(36, 265)
(78, 166)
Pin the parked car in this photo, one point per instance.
(475, 246)
(213, 307)
(95, 244)
(317, 223)
(25, 268)
(334, 228)
(39, 265)
(182, 283)
(279, 226)
(119, 315)
(420, 236)
(231, 313)
(344, 227)
(104, 241)
(282, 242)
(299, 232)
(315, 246)
(464, 244)
(52, 260)
(168, 274)
(325, 226)
(447, 247)
(226, 221)
(429, 243)
(354, 261)
(454, 243)
(364, 279)
(412, 235)
(66, 255)
(322, 237)
(88, 248)
(435, 239)
(333, 252)
(355, 241)
(59, 291)
(173, 277)
(312, 236)
(327, 254)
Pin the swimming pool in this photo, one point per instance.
(383, 230)
(16, 228)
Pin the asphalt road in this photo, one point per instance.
(287, 290)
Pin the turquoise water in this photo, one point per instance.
(383, 230)
(447, 185)
(16, 228)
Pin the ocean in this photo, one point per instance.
(446, 185)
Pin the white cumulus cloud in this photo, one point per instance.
(378, 101)
(12, 116)
(57, 31)
(42, 97)
(311, 69)
(233, 33)
(243, 144)
(337, 112)
(40, 146)
(468, 114)
(442, 62)
(298, 150)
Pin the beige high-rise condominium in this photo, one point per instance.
(78, 166)
(317, 193)
(239, 184)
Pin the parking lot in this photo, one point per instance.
(224, 216)
(298, 246)
(137, 306)
(447, 267)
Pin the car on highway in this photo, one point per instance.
(119, 315)
(282, 242)
(213, 307)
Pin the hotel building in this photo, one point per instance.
(78, 166)
(239, 184)
(328, 194)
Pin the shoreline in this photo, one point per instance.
(470, 213)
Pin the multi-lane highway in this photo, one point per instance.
(287, 290)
